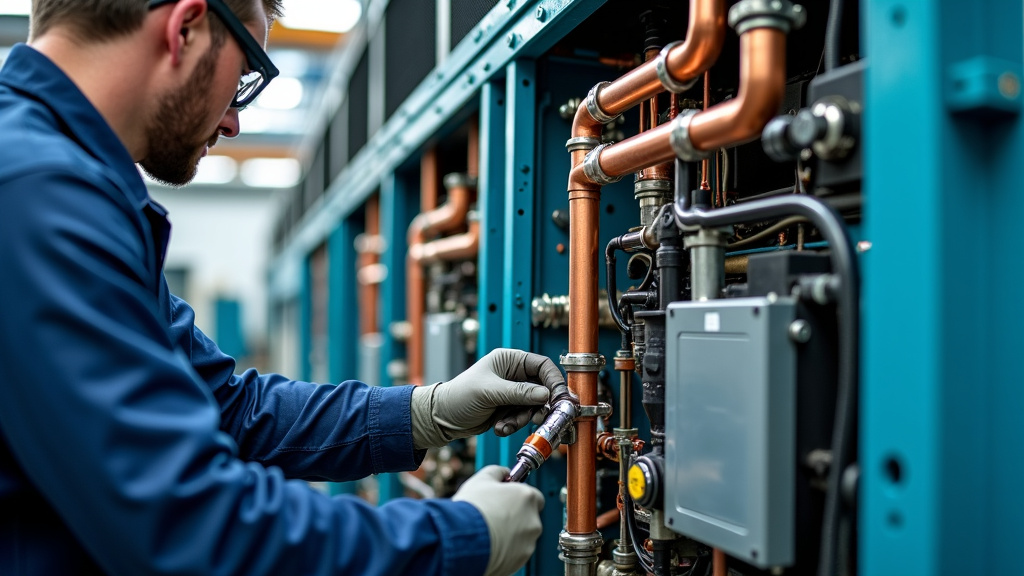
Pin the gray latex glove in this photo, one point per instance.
(504, 389)
(512, 513)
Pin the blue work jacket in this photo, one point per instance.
(128, 446)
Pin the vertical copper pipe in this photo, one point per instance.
(704, 165)
(762, 87)
(649, 109)
(367, 257)
(718, 563)
(584, 218)
(416, 287)
(473, 148)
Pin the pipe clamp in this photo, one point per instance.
(594, 108)
(459, 180)
(680, 138)
(780, 14)
(592, 167)
(661, 67)
(581, 143)
(582, 362)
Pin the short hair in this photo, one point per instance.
(98, 20)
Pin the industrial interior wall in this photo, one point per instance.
(768, 243)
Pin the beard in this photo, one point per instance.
(174, 136)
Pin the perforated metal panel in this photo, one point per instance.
(358, 106)
(466, 14)
(410, 46)
(731, 426)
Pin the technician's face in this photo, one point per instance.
(179, 135)
(191, 119)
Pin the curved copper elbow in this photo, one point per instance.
(705, 35)
(762, 88)
(457, 247)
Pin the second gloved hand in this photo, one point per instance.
(512, 514)
(504, 389)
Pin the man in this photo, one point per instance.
(127, 445)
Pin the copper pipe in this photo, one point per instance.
(640, 151)
(659, 171)
(704, 165)
(608, 519)
(584, 217)
(415, 286)
(705, 34)
(367, 291)
(457, 247)
(718, 563)
(762, 87)
(473, 148)
(704, 39)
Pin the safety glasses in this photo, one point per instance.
(261, 70)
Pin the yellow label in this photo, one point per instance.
(637, 482)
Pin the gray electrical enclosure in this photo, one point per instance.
(444, 348)
(731, 426)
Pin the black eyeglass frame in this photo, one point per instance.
(255, 56)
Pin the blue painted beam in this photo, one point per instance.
(941, 391)
(491, 204)
(342, 304)
(528, 29)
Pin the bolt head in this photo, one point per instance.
(541, 14)
(800, 331)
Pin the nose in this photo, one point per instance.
(229, 126)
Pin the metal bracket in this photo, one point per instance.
(592, 167)
(680, 138)
(582, 362)
(780, 14)
(594, 108)
(661, 67)
(602, 409)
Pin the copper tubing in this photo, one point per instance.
(584, 217)
(473, 148)
(705, 34)
(718, 563)
(704, 165)
(704, 38)
(608, 519)
(367, 291)
(457, 247)
(650, 109)
(762, 87)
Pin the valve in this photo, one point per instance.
(545, 439)
(829, 128)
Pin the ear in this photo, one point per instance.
(185, 19)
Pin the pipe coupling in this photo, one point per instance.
(661, 67)
(680, 138)
(581, 143)
(582, 362)
(592, 167)
(580, 549)
(594, 108)
(780, 14)
(459, 180)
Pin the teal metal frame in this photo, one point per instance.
(942, 393)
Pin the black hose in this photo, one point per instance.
(609, 280)
(835, 18)
(844, 262)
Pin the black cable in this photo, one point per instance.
(609, 280)
(643, 557)
(835, 18)
(844, 263)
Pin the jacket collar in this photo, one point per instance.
(30, 72)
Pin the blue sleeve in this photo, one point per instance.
(311, 431)
(122, 436)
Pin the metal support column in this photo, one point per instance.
(941, 428)
(491, 200)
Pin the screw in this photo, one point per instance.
(800, 331)
(477, 35)
(863, 246)
(510, 40)
(541, 14)
(1009, 85)
(510, 4)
